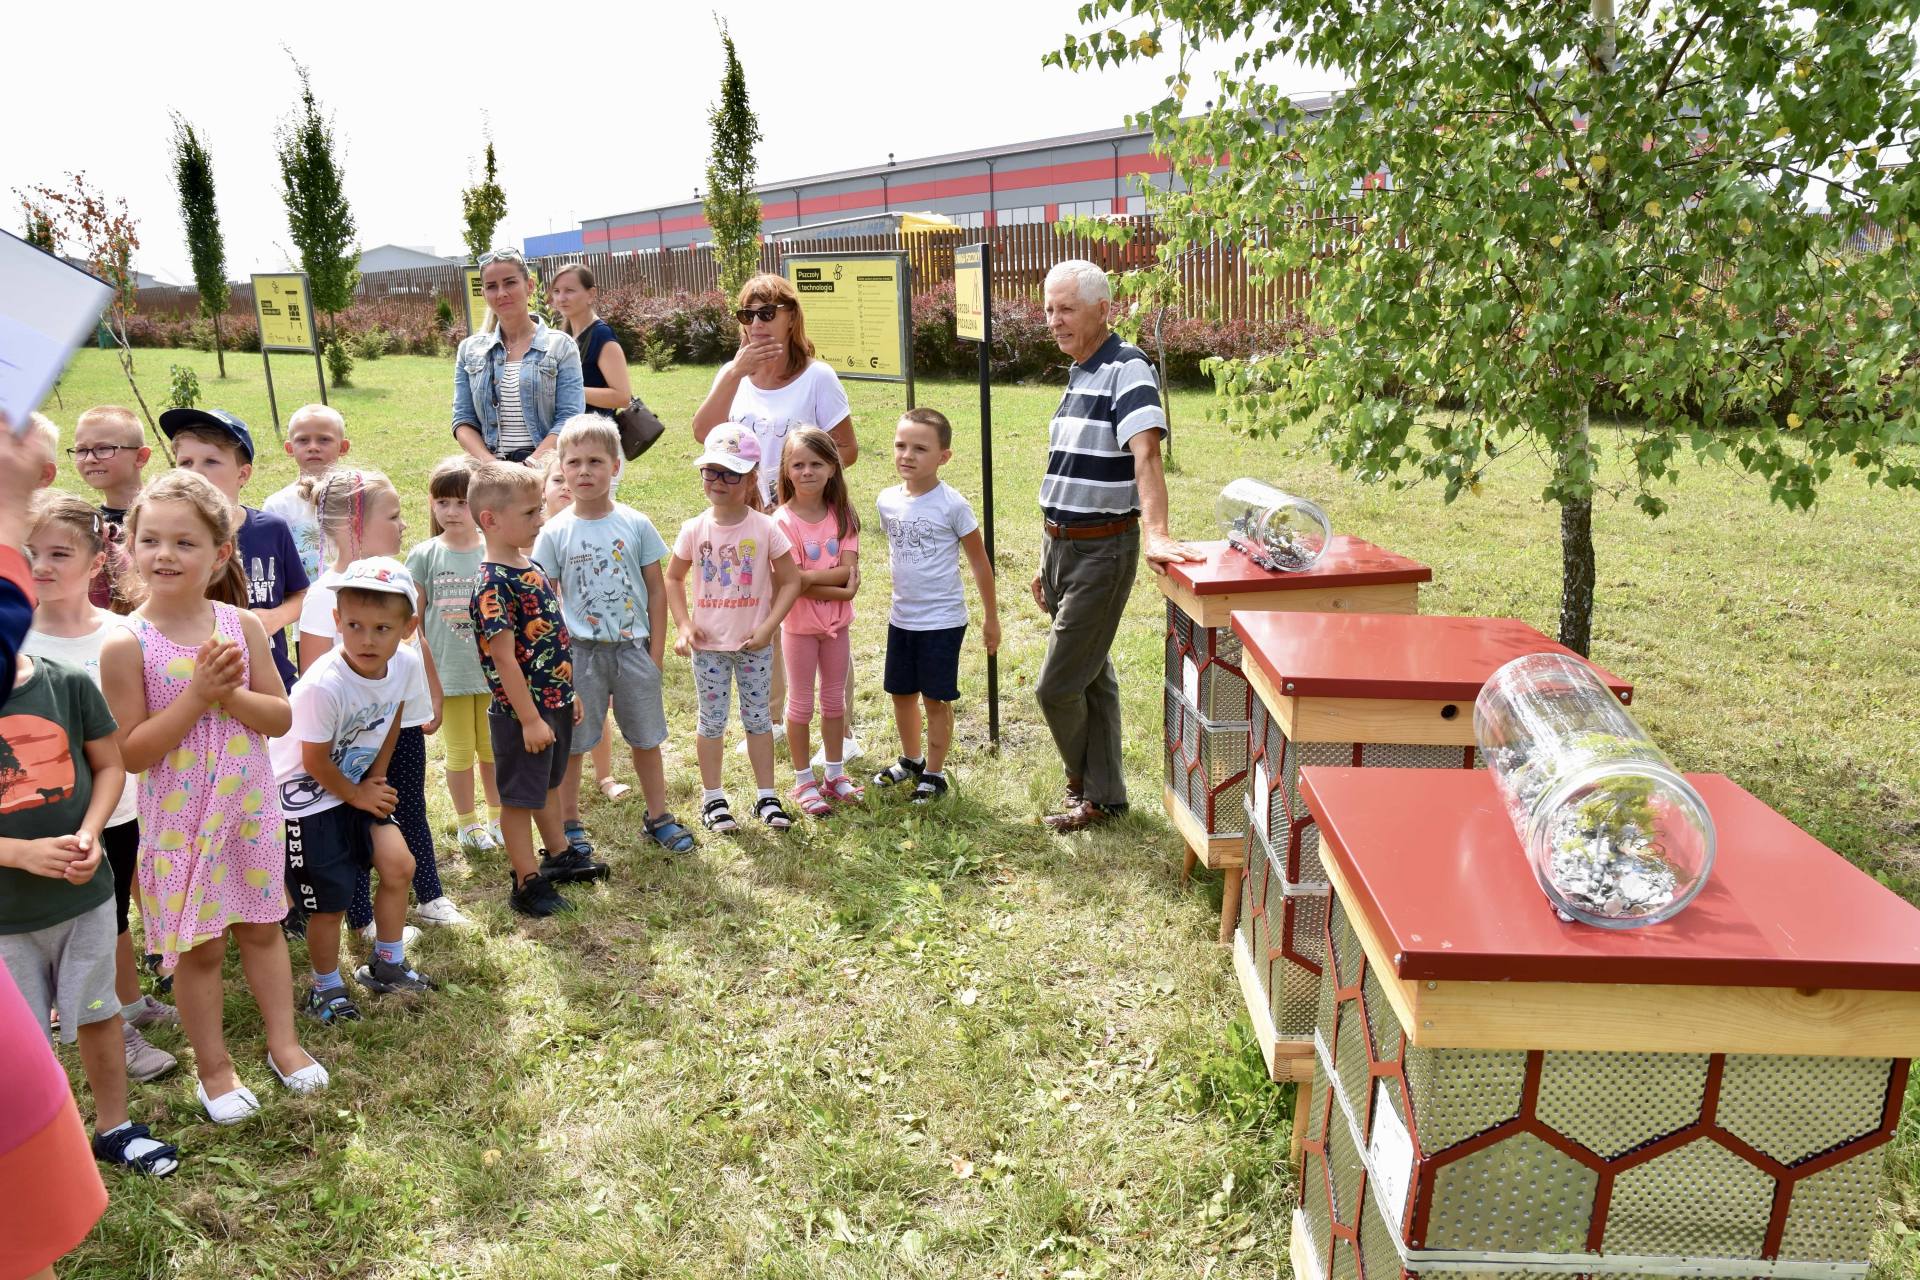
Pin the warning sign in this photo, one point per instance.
(970, 292)
(856, 310)
(285, 312)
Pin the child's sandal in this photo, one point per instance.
(901, 770)
(669, 834)
(718, 816)
(770, 811)
(157, 1160)
(807, 796)
(844, 790)
(929, 789)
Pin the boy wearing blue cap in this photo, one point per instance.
(218, 445)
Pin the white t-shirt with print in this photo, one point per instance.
(84, 652)
(814, 399)
(298, 513)
(923, 549)
(334, 703)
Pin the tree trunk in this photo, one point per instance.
(219, 350)
(1576, 540)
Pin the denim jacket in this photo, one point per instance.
(550, 386)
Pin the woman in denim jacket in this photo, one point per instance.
(517, 380)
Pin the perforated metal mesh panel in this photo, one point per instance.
(1518, 1195)
(1315, 1201)
(1378, 1257)
(1295, 986)
(1345, 1263)
(1700, 1199)
(1380, 1018)
(1207, 760)
(1303, 855)
(1460, 1092)
(1266, 797)
(1300, 755)
(1343, 1157)
(1611, 1103)
(1251, 923)
(1214, 680)
(1830, 1218)
(1346, 945)
(1834, 1100)
(1399, 755)
(1324, 1008)
(1350, 1060)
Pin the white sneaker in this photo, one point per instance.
(440, 911)
(850, 749)
(475, 838)
(408, 935)
(779, 739)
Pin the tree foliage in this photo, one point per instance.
(318, 216)
(484, 207)
(193, 179)
(733, 211)
(1676, 216)
(39, 228)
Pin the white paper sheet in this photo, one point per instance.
(47, 309)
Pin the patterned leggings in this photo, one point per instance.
(407, 774)
(716, 671)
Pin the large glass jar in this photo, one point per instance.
(1616, 837)
(1275, 529)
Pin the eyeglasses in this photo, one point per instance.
(104, 452)
(720, 475)
(746, 315)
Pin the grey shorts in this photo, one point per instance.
(619, 673)
(69, 967)
(524, 779)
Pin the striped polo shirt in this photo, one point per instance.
(1111, 397)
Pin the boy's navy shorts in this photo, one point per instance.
(926, 663)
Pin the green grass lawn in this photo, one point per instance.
(883, 1047)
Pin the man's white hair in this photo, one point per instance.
(1089, 281)
(325, 413)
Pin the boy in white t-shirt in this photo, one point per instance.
(928, 522)
(316, 439)
(332, 769)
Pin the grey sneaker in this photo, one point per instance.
(386, 978)
(145, 1061)
(154, 1013)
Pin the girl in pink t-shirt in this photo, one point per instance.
(745, 584)
(818, 519)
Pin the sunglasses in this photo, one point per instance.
(720, 475)
(746, 315)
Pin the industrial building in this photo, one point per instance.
(1106, 171)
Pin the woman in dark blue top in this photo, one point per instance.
(603, 365)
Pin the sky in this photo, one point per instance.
(593, 109)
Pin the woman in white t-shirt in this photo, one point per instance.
(774, 384)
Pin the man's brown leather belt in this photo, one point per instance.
(1077, 531)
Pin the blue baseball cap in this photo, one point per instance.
(174, 421)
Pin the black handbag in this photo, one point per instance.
(639, 428)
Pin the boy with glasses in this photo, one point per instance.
(109, 452)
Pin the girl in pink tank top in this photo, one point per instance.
(196, 694)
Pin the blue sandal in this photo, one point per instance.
(668, 834)
(157, 1163)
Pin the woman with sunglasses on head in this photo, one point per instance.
(516, 380)
(603, 364)
(774, 384)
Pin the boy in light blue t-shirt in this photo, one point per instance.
(604, 559)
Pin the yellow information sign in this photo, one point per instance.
(285, 313)
(970, 292)
(856, 309)
(476, 301)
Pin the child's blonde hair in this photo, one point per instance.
(82, 519)
(824, 447)
(494, 484)
(325, 413)
(229, 583)
(448, 479)
(339, 497)
(49, 432)
(117, 414)
(589, 431)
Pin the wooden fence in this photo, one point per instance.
(1214, 281)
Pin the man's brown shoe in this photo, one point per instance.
(1076, 817)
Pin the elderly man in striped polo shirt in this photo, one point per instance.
(1104, 499)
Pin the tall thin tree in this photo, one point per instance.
(193, 177)
(484, 207)
(733, 211)
(318, 216)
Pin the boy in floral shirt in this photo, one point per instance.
(528, 659)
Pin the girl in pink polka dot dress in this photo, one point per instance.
(193, 686)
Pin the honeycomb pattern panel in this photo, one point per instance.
(1306, 927)
(1700, 1200)
(1303, 856)
(1830, 1218)
(1301, 755)
(1346, 945)
(1266, 799)
(1316, 1203)
(1351, 1061)
(1380, 1017)
(1292, 1004)
(1519, 1195)
(1458, 1093)
(1833, 1101)
(1612, 1103)
(1325, 1011)
(1346, 1265)
(1379, 1256)
(1343, 1159)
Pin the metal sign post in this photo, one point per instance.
(973, 321)
(283, 305)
